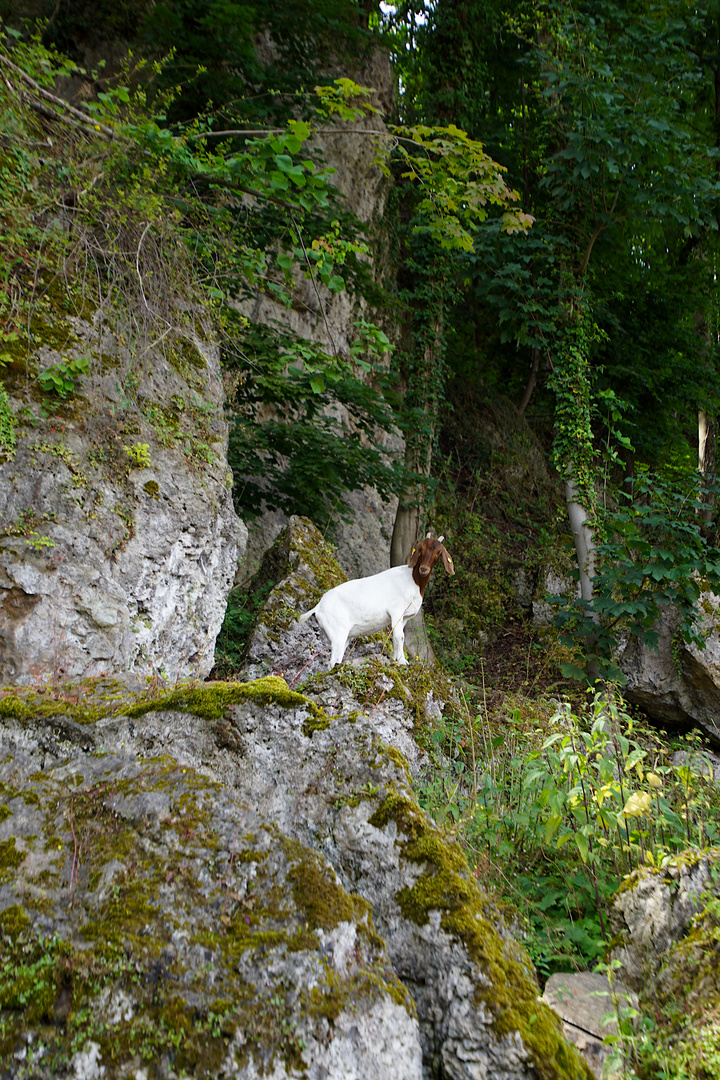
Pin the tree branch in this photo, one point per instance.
(58, 101)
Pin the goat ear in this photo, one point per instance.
(447, 559)
(414, 555)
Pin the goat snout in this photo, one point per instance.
(424, 570)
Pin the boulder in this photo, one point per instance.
(653, 913)
(239, 876)
(588, 1005)
(677, 685)
(118, 537)
(666, 927)
(166, 924)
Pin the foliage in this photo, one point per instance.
(557, 807)
(604, 116)
(621, 141)
(156, 215)
(301, 458)
(60, 378)
(139, 455)
(7, 424)
(240, 618)
(695, 1055)
(570, 381)
(458, 181)
(653, 555)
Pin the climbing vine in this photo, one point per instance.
(570, 380)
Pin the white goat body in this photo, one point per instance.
(369, 604)
(366, 605)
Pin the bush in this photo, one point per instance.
(558, 807)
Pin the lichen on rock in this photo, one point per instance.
(118, 536)
(154, 920)
(246, 866)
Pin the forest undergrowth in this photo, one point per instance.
(557, 792)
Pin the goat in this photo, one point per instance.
(369, 604)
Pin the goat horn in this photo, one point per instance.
(440, 539)
(428, 536)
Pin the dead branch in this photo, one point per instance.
(83, 117)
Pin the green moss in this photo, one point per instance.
(323, 903)
(13, 921)
(152, 488)
(446, 886)
(317, 721)
(124, 916)
(404, 811)
(211, 700)
(413, 685)
(91, 700)
(13, 707)
(10, 859)
(242, 935)
(330, 1000)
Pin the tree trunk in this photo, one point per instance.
(707, 460)
(583, 539)
(405, 532)
(422, 401)
(532, 381)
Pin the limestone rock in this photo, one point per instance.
(677, 685)
(246, 866)
(118, 537)
(667, 925)
(585, 1000)
(233, 875)
(210, 943)
(303, 566)
(654, 912)
(362, 536)
(551, 581)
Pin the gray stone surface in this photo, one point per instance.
(259, 861)
(588, 1005)
(678, 685)
(655, 911)
(319, 1001)
(112, 560)
(665, 927)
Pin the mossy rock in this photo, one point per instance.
(155, 920)
(506, 986)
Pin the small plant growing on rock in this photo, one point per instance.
(139, 455)
(60, 378)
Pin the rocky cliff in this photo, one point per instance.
(118, 537)
(236, 878)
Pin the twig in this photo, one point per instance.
(72, 868)
(59, 102)
(317, 291)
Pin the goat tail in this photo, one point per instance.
(304, 618)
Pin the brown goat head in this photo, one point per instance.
(424, 555)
